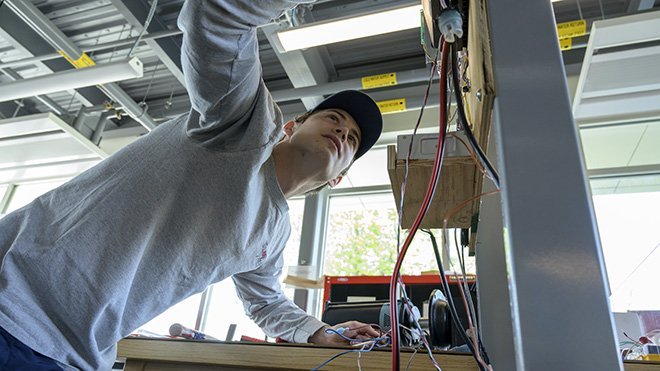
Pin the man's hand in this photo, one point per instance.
(351, 329)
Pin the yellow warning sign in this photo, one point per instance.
(377, 81)
(567, 30)
(82, 62)
(565, 44)
(392, 105)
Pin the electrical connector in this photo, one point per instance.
(450, 24)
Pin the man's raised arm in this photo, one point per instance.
(220, 55)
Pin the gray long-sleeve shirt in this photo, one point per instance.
(191, 203)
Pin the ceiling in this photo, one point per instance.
(106, 30)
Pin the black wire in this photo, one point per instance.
(482, 157)
(450, 299)
(461, 114)
(460, 249)
(454, 88)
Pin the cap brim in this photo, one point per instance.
(364, 111)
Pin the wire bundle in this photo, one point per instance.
(365, 346)
(449, 77)
(424, 207)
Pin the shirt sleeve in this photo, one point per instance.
(220, 58)
(267, 306)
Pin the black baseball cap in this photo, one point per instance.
(364, 111)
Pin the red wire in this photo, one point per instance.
(422, 210)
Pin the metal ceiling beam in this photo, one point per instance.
(303, 67)
(31, 15)
(637, 5)
(40, 23)
(168, 50)
(624, 171)
(14, 30)
(7, 109)
(403, 77)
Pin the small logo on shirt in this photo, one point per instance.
(264, 255)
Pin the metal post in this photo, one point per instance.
(100, 127)
(203, 310)
(6, 198)
(554, 261)
(312, 242)
(492, 285)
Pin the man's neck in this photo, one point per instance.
(295, 174)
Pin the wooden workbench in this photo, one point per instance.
(169, 354)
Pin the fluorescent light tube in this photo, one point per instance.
(71, 79)
(323, 33)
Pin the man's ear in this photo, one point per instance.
(288, 128)
(334, 182)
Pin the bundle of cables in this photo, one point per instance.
(361, 346)
(449, 77)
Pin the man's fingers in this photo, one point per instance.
(372, 332)
(358, 328)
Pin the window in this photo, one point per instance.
(184, 313)
(370, 170)
(25, 193)
(361, 239)
(628, 227)
(3, 192)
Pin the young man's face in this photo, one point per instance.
(331, 137)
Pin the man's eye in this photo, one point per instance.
(334, 117)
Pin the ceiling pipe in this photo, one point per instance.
(71, 79)
(32, 16)
(51, 104)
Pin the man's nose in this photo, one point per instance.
(342, 132)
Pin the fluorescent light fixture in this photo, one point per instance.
(323, 33)
(71, 79)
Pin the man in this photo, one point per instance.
(199, 199)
